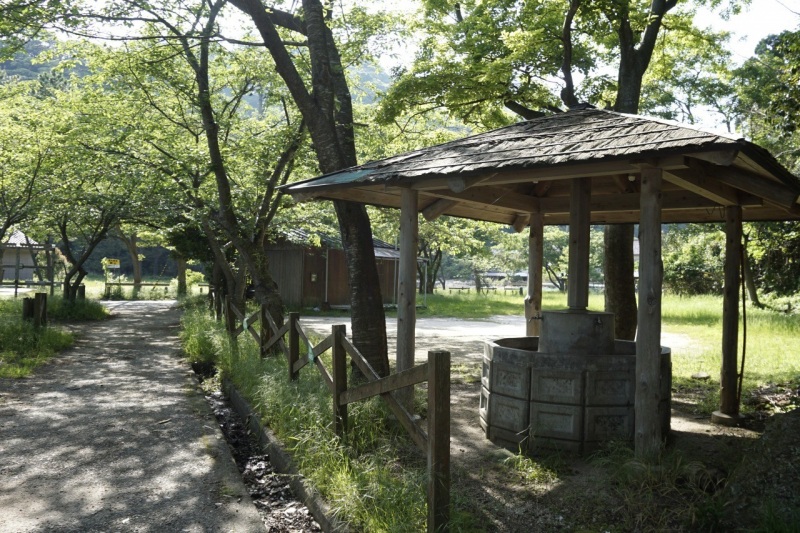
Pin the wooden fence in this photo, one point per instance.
(435, 441)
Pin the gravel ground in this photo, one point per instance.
(112, 435)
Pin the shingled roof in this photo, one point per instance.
(504, 174)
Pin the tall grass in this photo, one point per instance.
(373, 480)
(23, 347)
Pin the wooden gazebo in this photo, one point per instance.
(583, 167)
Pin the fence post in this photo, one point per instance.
(339, 380)
(294, 345)
(27, 309)
(40, 309)
(265, 333)
(438, 441)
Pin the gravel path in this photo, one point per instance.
(112, 435)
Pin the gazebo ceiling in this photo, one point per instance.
(506, 174)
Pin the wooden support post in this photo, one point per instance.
(579, 229)
(648, 436)
(438, 441)
(339, 380)
(407, 291)
(81, 292)
(27, 309)
(728, 413)
(533, 301)
(40, 309)
(294, 345)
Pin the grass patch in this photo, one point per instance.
(23, 347)
(374, 479)
(669, 494)
(769, 358)
(80, 310)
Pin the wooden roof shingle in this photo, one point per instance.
(708, 169)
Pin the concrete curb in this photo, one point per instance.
(283, 462)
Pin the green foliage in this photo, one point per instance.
(694, 259)
(23, 347)
(774, 249)
(484, 60)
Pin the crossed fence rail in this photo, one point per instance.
(434, 439)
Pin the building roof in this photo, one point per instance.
(383, 249)
(505, 174)
(19, 239)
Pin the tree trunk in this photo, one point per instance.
(327, 111)
(133, 251)
(181, 262)
(367, 315)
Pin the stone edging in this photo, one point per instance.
(283, 462)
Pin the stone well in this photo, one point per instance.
(570, 389)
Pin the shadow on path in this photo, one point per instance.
(113, 435)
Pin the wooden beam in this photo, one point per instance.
(520, 222)
(437, 208)
(407, 293)
(495, 196)
(702, 184)
(533, 300)
(729, 401)
(750, 182)
(579, 230)
(648, 438)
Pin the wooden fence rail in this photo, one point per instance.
(434, 439)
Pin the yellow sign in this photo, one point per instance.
(112, 263)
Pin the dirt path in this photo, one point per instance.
(113, 436)
(464, 339)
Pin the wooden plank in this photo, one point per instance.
(533, 300)
(323, 346)
(438, 441)
(647, 437)
(391, 382)
(360, 361)
(277, 337)
(324, 373)
(579, 230)
(278, 333)
(729, 401)
(407, 290)
(403, 416)
(339, 380)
